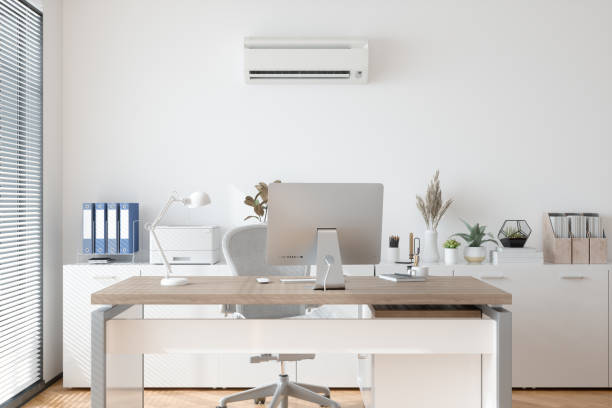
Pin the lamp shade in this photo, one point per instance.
(197, 199)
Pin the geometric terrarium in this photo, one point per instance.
(514, 233)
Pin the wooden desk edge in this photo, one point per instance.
(253, 293)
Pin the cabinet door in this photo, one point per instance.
(182, 370)
(80, 281)
(559, 322)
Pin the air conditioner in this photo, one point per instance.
(305, 60)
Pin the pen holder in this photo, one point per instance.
(393, 254)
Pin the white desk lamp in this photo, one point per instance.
(196, 199)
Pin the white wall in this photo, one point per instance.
(52, 189)
(511, 100)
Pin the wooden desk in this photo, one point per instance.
(362, 290)
(120, 335)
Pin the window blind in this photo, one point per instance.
(20, 197)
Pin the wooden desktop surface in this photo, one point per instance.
(459, 290)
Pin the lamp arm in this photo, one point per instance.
(154, 225)
(163, 212)
(163, 254)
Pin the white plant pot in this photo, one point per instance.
(451, 256)
(475, 255)
(430, 250)
(393, 254)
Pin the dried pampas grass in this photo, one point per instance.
(432, 207)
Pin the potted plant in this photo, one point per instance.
(451, 252)
(475, 253)
(432, 208)
(259, 202)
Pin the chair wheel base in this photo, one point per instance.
(260, 401)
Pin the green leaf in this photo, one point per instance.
(469, 227)
(463, 236)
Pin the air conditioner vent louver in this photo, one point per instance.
(273, 74)
(307, 60)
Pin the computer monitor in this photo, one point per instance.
(324, 224)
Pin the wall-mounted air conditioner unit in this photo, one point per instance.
(305, 60)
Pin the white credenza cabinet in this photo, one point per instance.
(559, 322)
(562, 328)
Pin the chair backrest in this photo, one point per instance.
(244, 249)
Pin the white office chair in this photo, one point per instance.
(244, 249)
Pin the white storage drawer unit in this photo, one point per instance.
(559, 322)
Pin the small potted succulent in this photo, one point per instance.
(451, 252)
(475, 253)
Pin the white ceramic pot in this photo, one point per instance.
(430, 250)
(392, 254)
(475, 255)
(451, 256)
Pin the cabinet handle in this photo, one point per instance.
(493, 277)
(362, 356)
(572, 277)
(104, 277)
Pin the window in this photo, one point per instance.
(20, 198)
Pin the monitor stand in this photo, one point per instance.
(329, 262)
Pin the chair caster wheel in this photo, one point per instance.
(260, 401)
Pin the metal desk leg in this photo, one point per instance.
(116, 380)
(497, 368)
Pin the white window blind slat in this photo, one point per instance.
(17, 148)
(23, 86)
(19, 10)
(30, 344)
(12, 64)
(20, 197)
(19, 275)
(27, 307)
(21, 264)
(17, 97)
(15, 361)
(25, 142)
